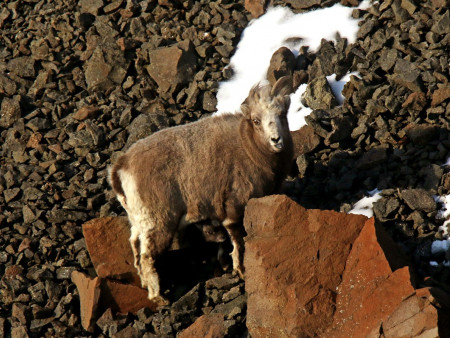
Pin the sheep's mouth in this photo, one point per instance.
(277, 147)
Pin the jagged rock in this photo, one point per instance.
(293, 261)
(210, 325)
(415, 101)
(10, 111)
(372, 158)
(441, 23)
(256, 7)
(318, 94)
(85, 112)
(172, 67)
(388, 58)
(440, 95)
(421, 134)
(106, 67)
(353, 280)
(23, 66)
(89, 291)
(7, 85)
(281, 64)
(305, 140)
(91, 6)
(406, 74)
(304, 4)
(123, 298)
(419, 199)
(107, 241)
(376, 294)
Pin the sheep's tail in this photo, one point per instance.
(114, 178)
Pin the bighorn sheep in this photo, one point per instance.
(207, 169)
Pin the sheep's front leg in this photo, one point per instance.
(237, 234)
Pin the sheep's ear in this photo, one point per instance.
(287, 103)
(282, 87)
(245, 109)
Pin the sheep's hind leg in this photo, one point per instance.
(153, 242)
(237, 234)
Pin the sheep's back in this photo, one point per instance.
(192, 162)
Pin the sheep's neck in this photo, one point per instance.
(257, 152)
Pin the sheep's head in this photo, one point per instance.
(266, 110)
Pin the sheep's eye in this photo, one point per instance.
(256, 122)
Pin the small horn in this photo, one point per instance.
(282, 87)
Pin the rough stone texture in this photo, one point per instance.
(210, 325)
(320, 273)
(89, 291)
(419, 199)
(318, 94)
(440, 95)
(282, 63)
(171, 67)
(124, 298)
(305, 140)
(107, 240)
(256, 7)
(293, 260)
(374, 297)
(10, 111)
(106, 68)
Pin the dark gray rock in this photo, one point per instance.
(318, 94)
(388, 58)
(441, 23)
(282, 63)
(419, 199)
(407, 74)
(385, 208)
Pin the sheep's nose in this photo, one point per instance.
(275, 139)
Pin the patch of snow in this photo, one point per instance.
(440, 246)
(297, 111)
(444, 211)
(447, 163)
(434, 263)
(365, 205)
(278, 27)
(338, 85)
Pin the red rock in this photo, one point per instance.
(316, 273)
(294, 259)
(207, 326)
(415, 101)
(107, 241)
(13, 271)
(123, 298)
(25, 244)
(440, 95)
(89, 291)
(370, 291)
(256, 7)
(34, 141)
(85, 112)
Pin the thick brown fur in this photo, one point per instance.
(207, 169)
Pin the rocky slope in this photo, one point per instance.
(81, 81)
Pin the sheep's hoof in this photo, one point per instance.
(239, 271)
(160, 302)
